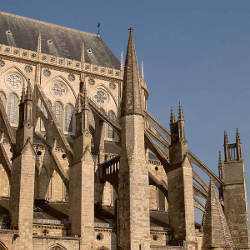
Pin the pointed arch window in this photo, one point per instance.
(12, 110)
(3, 98)
(68, 118)
(110, 130)
(58, 111)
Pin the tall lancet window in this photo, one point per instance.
(68, 118)
(12, 110)
(3, 98)
(110, 130)
(58, 111)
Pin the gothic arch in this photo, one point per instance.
(2, 246)
(57, 247)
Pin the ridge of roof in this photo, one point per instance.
(48, 23)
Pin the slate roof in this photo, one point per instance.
(23, 32)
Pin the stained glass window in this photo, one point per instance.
(12, 110)
(68, 118)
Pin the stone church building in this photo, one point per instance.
(84, 165)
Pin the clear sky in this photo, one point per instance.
(194, 51)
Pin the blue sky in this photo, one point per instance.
(194, 51)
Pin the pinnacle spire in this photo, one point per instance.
(180, 114)
(172, 116)
(82, 54)
(39, 43)
(215, 227)
(220, 164)
(237, 135)
(23, 94)
(28, 91)
(225, 138)
(131, 98)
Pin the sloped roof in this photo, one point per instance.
(22, 32)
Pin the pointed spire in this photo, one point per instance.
(142, 71)
(39, 43)
(121, 63)
(82, 54)
(131, 98)
(172, 116)
(215, 227)
(180, 114)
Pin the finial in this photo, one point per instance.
(130, 30)
(180, 114)
(225, 137)
(82, 55)
(121, 63)
(237, 135)
(220, 159)
(39, 43)
(172, 117)
(142, 70)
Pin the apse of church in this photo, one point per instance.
(84, 165)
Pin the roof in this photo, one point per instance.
(23, 32)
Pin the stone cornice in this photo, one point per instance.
(59, 62)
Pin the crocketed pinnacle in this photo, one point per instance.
(180, 114)
(28, 95)
(172, 117)
(237, 135)
(131, 97)
(215, 227)
(225, 138)
(220, 165)
(23, 94)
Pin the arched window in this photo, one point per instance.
(3, 98)
(12, 110)
(68, 118)
(110, 130)
(58, 111)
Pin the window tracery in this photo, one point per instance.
(100, 97)
(14, 82)
(58, 89)
(12, 110)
